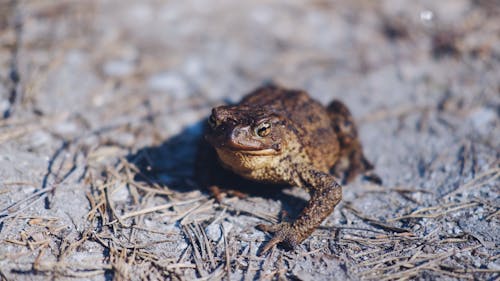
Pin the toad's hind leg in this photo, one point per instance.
(325, 195)
(351, 160)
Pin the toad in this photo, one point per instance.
(283, 136)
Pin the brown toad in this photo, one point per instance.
(281, 136)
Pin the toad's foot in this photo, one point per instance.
(284, 234)
(372, 177)
(220, 193)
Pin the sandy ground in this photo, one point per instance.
(101, 105)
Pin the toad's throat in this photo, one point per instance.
(243, 162)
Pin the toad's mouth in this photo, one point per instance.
(247, 147)
(253, 152)
(261, 152)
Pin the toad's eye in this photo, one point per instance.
(264, 129)
(212, 122)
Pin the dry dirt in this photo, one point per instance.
(101, 107)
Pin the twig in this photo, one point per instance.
(158, 208)
(494, 172)
(418, 213)
(255, 213)
(201, 207)
(376, 222)
(226, 250)
(16, 208)
(196, 252)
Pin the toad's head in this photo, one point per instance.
(246, 137)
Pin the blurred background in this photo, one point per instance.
(95, 92)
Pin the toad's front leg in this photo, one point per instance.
(325, 195)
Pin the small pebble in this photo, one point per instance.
(482, 117)
(213, 231)
(118, 68)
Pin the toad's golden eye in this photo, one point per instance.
(263, 129)
(212, 122)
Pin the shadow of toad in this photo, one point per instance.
(174, 164)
